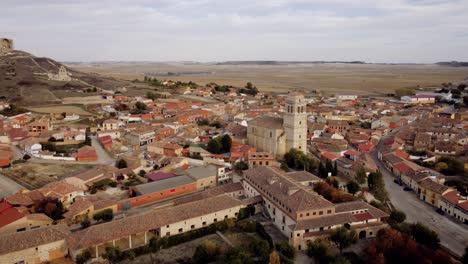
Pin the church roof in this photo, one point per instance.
(268, 122)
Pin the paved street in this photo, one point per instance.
(453, 235)
(8, 186)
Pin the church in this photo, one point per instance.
(278, 135)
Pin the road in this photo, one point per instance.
(8, 186)
(453, 235)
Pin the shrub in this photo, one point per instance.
(398, 216)
(83, 257)
(247, 226)
(206, 252)
(285, 249)
(26, 157)
(104, 215)
(246, 212)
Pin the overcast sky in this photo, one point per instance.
(217, 30)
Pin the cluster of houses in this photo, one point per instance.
(166, 145)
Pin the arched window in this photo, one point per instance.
(302, 109)
(298, 109)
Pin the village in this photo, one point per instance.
(189, 160)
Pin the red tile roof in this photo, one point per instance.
(363, 216)
(330, 156)
(8, 214)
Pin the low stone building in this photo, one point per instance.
(38, 245)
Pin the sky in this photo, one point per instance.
(417, 31)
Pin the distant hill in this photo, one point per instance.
(285, 62)
(24, 80)
(453, 63)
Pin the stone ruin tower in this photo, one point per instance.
(6, 45)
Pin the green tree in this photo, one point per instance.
(343, 237)
(285, 249)
(206, 252)
(404, 91)
(112, 254)
(240, 166)
(353, 187)
(425, 236)
(398, 216)
(85, 223)
(105, 215)
(83, 257)
(361, 175)
(226, 143)
(121, 164)
(261, 249)
(465, 100)
(214, 146)
(319, 249)
(249, 85)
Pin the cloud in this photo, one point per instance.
(208, 30)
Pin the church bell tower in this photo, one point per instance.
(295, 122)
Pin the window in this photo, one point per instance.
(192, 226)
(271, 134)
(204, 223)
(329, 211)
(225, 217)
(168, 233)
(215, 220)
(181, 230)
(167, 226)
(320, 212)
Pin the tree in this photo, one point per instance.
(298, 160)
(85, 223)
(105, 215)
(398, 216)
(261, 249)
(465, 100)
(361, 175)
(461, 87)
(343, 237)
(441, 166)
(226, 143)
(214, 146)
(83, 257)
(206, 252)
(353, 187)
(425, 236)
(121, 164)
(112, 254)
(404, 91)
(240, 166)
(319, 249)
(249, 85)
(285, 249)
(142, 173)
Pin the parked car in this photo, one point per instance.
(407, 189)
(440, 211)
(398, 181)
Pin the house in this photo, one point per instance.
(106, 142)
(39, 245)
(86, 154)
(62, 191)
(261, 159)
(430, 191)
(35, 128)
(85, 179)
(136, 230)
(158, 191)
(205, 176)
(352, 154)
(5, 156)
(418, 99)
(172, 150)
(302, 215)
(85, 207)
(32, 148)
(455, 205)
(12, 220)
(141, 138)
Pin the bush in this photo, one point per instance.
(83, 257)
(247, 226)
(206, 252)
(26, 157)
(285, 249)
(104, 215)
(102, 183)
(398, 216)
(425, 236)
(113, 184)
(121, 164)
(246, 212)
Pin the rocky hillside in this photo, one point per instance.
(24, 79)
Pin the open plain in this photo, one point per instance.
(329, 78)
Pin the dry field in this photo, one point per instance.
(70, 109)
(372, 79)
(33, 176)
